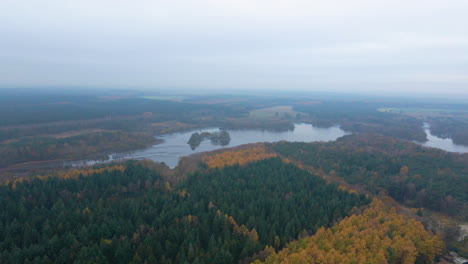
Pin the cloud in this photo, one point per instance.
(342, 45)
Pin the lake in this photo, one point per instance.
(442, 143)
(175, 145)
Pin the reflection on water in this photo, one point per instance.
(175, 145)
(217, 138)
(442, 143)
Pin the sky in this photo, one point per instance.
(411, 46)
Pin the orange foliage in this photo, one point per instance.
(346, 189)
(404, 170)
(241, 157)
(243, 230)
(379, 235)
(182, 193)
(74, 174)
(71, 174)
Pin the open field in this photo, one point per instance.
(276, 111)
(67, 134)
(174, 98)
(424, 111)
(171, 127)
(78, 133)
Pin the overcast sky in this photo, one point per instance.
(347, 45)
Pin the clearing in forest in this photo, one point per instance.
(276, 111)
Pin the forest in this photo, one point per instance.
(414, 175)
(89, 145)
(278, 202)
(363, 117)
(53, 121)
(377, 236)
(233, 132)
(236, 157)
(134, 215)
(454, 128)
(92, 108)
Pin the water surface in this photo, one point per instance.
(442, 143)
(175, 145)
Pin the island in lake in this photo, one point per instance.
(217, 138)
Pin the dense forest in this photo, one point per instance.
(412, 174)
(444, 127)
(237, 157)
(32, 121)
(363, 117)
(377, 236)
(73, 147)
(38, 127)
(264, 203)
(130, 215)
(91, 108)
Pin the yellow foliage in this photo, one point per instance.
(379, 235)
(86, 211)
(243, 230)
(71, 174)
(74, 174)
(106, 241)
(346, 189)
(241, 157)
(182, 193)
(168, 187)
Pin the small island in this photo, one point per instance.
(217, 138)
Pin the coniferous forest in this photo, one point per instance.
(233, 132)
(411, 174)
(375, 193)
(134, 215)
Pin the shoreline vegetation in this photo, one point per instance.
(92, 145)
(221, 138)
(139, 140)
(254, 152)
(220, 196)
(41, 131)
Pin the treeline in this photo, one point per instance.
(239, 157)
(445, 127)
(217, 138)
(124, 123)
(377, 236)
(270, 124)
(363, 117)
(98, 108)
(128, 115)
(135, 216)
(73, 147)
(65, 174)
(412, 174)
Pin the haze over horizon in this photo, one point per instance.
(352, 46)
